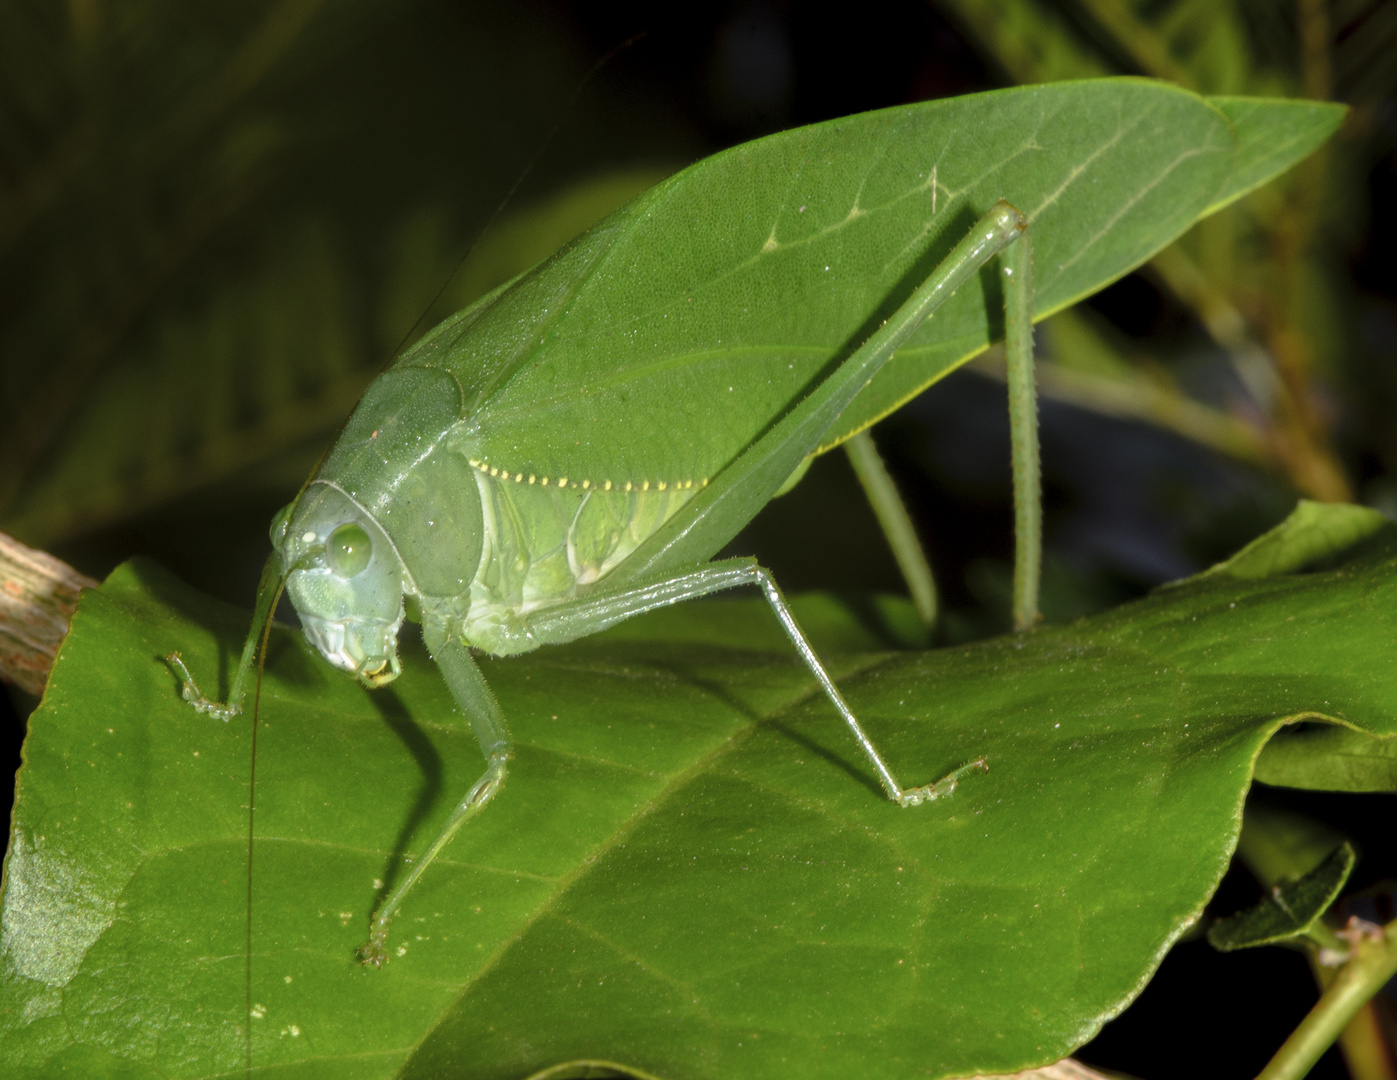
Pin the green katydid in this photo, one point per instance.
(548, 462)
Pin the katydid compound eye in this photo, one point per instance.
(348, 550)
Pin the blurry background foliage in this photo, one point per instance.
(219, 220)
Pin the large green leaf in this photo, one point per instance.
(691, 871)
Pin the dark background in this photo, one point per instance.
(142, 193)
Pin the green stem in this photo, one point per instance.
(896, 524)
(1323, 936)
(1374, 962)
(1023, 430)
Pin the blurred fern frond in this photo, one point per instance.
(217, 222)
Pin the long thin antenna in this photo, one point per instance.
(519, 180)
(251, 812)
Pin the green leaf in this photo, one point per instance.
(1279, 845)
(1272, 135)
(1317, 757)
(691, 871)
(1312, 533)
(1325, 758)
(1313, 756)
(1292, 908)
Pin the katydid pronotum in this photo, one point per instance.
(508, 488)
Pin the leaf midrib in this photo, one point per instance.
(677, 782)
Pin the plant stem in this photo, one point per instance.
(1373, 963)
(1023, 430)
(896, 524)
(1364, 1046)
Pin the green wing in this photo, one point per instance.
(659, 344)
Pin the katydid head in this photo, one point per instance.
(345, 580)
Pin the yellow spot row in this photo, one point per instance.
(605, 485)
